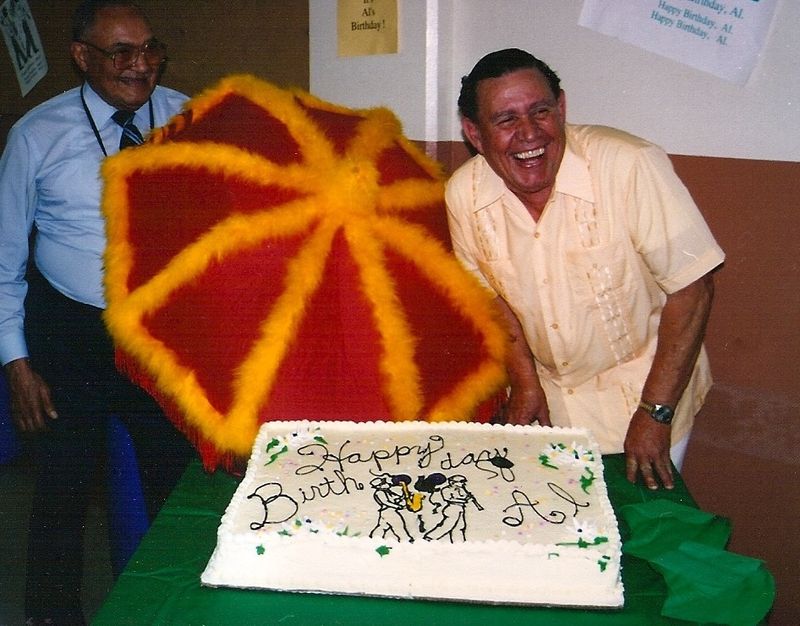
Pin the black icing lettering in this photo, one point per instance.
(567, 497)
(485, 461)
(379, 457)
(338, 486)
(522, 503)
(313, 449)
(427, 451)
(282, 506)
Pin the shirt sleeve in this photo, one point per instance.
(667, 228)
(459, 210)
(17, 199)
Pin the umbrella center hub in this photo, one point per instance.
(356, 184)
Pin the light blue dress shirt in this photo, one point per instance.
(50, 176)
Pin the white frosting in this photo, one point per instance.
(475, 512)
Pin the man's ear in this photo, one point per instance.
(472, 133)
(79, 51)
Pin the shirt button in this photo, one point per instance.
(554, 326)
(564, 363)
(570, 391)
(537, 234)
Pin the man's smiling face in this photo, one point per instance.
(127, 88)
(520, 132)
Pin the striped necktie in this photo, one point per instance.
(130, 134)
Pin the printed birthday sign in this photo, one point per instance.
(367, 27)
(722, 37)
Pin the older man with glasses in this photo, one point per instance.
(56, 353)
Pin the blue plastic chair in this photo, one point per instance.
(128, 521)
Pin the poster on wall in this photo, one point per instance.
(23, 43)
(721, 37)
(366, 27)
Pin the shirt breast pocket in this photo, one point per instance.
(600, 276)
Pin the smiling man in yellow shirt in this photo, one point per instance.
(600, 260)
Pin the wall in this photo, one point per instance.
(610, 82)
(738, 150)
(415, 83)
(607, 82)
(742, 462)
(267, 38)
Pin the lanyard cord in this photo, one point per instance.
(94, 126)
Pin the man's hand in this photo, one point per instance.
(527, 405)
(527, 402)
(647, 446)
(680, 336)
(31, 405)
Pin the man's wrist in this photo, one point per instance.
(661, 413)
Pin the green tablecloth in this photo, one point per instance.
(161, 584)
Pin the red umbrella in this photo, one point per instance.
(274, 256)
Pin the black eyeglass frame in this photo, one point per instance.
(148, 47)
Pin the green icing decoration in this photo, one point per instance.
(320, 439)
(585, 544)
(545, 460)
(383, 550)
(587, 479)
(275, 455)
(260, 550)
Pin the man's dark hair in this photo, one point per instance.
(494, 65)
(86, 13)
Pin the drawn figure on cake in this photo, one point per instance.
(390, 504)
(454, 514)
(413, 500)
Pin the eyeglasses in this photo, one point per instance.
(154, 53)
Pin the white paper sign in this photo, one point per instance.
(722, 37)
(23, 43)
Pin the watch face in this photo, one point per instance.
(662, 413)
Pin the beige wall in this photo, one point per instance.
(607, 81)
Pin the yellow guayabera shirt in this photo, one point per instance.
(588, 281)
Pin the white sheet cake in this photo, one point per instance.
(457, 511)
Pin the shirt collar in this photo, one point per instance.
(573, 178)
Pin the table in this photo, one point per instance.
(161, 584)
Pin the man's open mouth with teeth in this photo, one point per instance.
(529, 154)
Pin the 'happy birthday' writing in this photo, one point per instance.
(423, 456)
